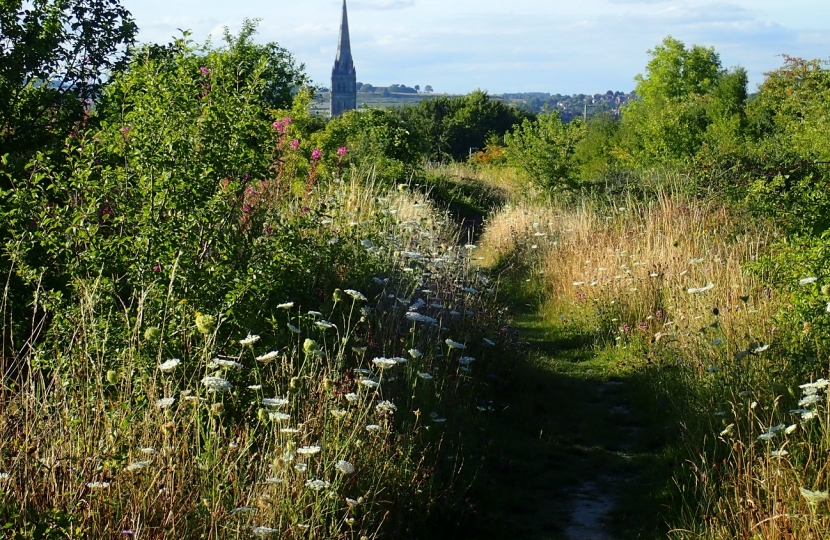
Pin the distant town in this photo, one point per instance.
(569, 106)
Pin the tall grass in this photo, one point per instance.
(667, 277)
(348, 429)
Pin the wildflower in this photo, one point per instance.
(255, 387)
(308, 450)
(466, 360)
(4, 477)
(778, 453)
(470, 290)
(351, 397)
(807, 280)
(302, 467)
(759, 350)
(415, 353)
(224, 363)
(97, 485)
(278, 416)
(316, 154)
(217, 384)
(342, 151)
(425, 376)
(344, 467)
(696, 290)
(274, 402)
(267, 357)
(148, 450)
(293, 328)
(818, 385)
(806, 401)
(323, 325)
(356, 295)
(164, 403)
(351, 502)
(317, 485)
(728, 431)
(294, 144)
(372, 428)
(204, 71)
(411, 255)
(489, 342)
(385, 407)
(274, 480)
(813, 497)
(169, 365)
(242, 510)
(417, 317)
(205, 323)
(454, 344)
(368, 244)
(250, 340)
(791, 429)
(369, 383)
(285, 305)
(137, 465)
(262, 531)
(339, 413)
(384, 363)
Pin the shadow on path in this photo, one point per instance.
(574, 448)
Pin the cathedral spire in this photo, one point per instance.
(343, 75)
(344, 46)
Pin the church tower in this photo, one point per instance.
(343, 75)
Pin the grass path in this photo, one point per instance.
(576, 449)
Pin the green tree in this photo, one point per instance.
(544, 149)
(55, 57)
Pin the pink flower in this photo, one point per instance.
(342, 151)
(279, 126)
(157, 268)
(247, 208)
(316, 154)
(205, 71)
(295, 144)
(287, 121)
(125, 130)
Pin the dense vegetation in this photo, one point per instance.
(223, 316)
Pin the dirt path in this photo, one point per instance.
(573, 452)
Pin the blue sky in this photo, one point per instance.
(572, 46)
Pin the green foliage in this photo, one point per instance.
(450, 127)
(544, 149)
(55, 56)
(375, 137)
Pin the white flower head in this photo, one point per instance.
(317, 485)
(137, 465)
(323, 325)
(286, 305)
(169, 365)
(357, 295)
(372, 428)
(278, 416)
(698, 290)
(268, 357)
(262, 531)
(813, 497)
(98, 485)
(466, 360)
(415, 353)
(425, 376)
(807, 280)
(308, 450)
(385, 407)
(417, 317)
(454, 344)
(293, 328)
(275, 402)
(384, 363)
(249, 340)
(369, 383)
(489, 342)
(217, 384)
(164, 403)
(224, 363)
(243, 510)
(351, 397)
(344, 467)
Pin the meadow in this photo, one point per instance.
(226, 317)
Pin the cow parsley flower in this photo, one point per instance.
(262, 531)
(466, 360)
(369, 383)
(268, 357)
(454, 344)
(813, 497)
(351, 397)
(243, 510)
(489, 342)
(224, 363)
(415, 353)
(779, 453)
(137, 465)
(384, 363)
(697, 290)
(169, 365)
(807, 280)
(98, 485)
(249, 340)
(385, 407)
(274, 402)
(323, 325)
(372, 428)
(285, 305)
(417, 317)
(344, 467)
(217, 384)
(356, 295)
(308, 450)
(293, 328)
(279, 416)
(425, 376)
(164, 403)
(317, 485)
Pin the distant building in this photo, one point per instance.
(343, 74)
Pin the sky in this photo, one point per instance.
(556, 46)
